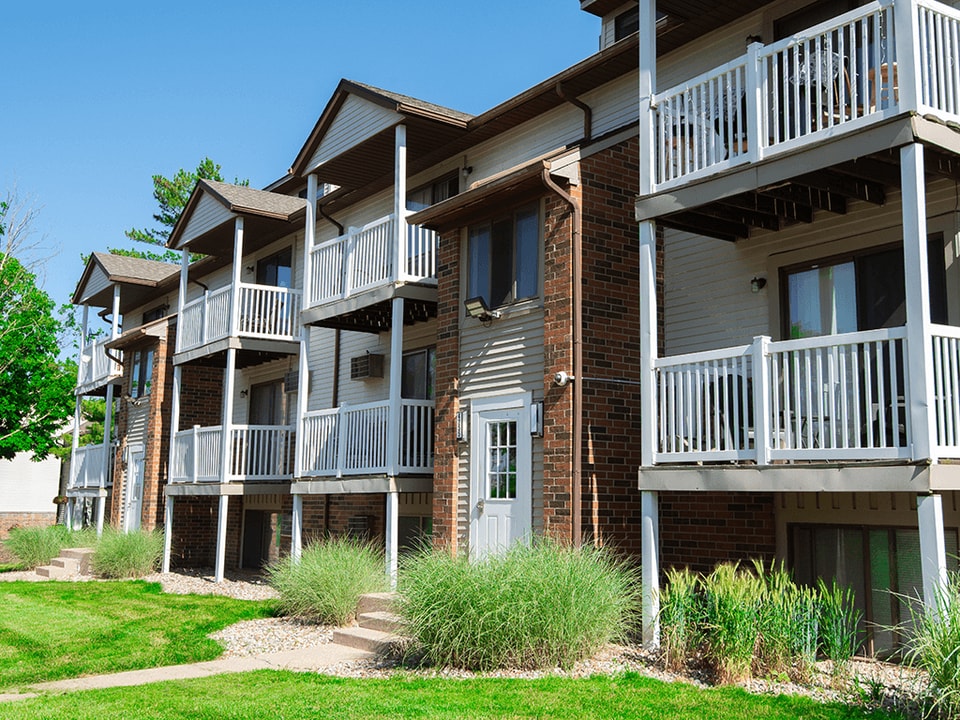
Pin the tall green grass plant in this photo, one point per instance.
(839, 620)
(127, 555)
(325, 585)
(539, 605)
(36, 546)
(681, 616)
(732, 600)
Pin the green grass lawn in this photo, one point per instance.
(278, 695)
(55, 630)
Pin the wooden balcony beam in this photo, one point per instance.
(706, 225)
(871, 168)
(853, 188)
(808, 196)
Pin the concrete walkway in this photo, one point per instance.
(310, 659)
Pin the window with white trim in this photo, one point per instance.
(503, 258)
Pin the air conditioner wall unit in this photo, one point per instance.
(369, 365)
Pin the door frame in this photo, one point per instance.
(135, 479)
(481, 408)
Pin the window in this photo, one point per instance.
(880, 564)
(155, 314)
(503, 258)
(142, 376)
(418, 374)
(276, 270)
(863, 291)
(628, 22)
(434, 192)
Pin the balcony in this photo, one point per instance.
(256, 453)
(369, 258)
(834, 398)
(881, 60)
(246, 310)
(96, 368)
(352, 440)
(91, 467)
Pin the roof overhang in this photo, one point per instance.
(135, 291)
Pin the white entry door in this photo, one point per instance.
(134, 504)
(500, 476)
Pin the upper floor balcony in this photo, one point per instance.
(251, 453)
(96, 368)
(240, 310)
(91, 467)
(365, 265)
(838, 78)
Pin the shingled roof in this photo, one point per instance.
(242, 199)
(124, 270)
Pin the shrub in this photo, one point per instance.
(127, 555)
(327, 582)
(933, 644)
(37, 546)
(788, 624)
(539, 605)
(731, 620)
(681, 613)
(838, 624)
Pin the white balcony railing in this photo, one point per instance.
(838, 397)
(91, 466)
(261, 311)
(366, 257)
(255, 452)
(352, 440)
(837, 77)
(96, 368)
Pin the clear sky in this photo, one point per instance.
(96, 97)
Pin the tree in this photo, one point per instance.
(172, 195)
(36, 389)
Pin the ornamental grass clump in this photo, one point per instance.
(933, 644)
(127, 555)
(731, 620)
(539, 605)
(326, 583)
(681, 615)
(789, 623)
(37, 546)
(839, 620)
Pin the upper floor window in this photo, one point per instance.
(628, 22)
(155, 314)
(276, 270)
(418, 374)
(503, 258)
(141, 378)
(433, 192)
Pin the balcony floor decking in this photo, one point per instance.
(371, 484)
(250, 351)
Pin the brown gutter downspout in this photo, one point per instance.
(587, 111)
(335, 400)
(577, 299)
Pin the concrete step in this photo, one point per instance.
(383, 621)
(376, 602)
(69, 565)
(373, 641)
(53, 572)
(83, 556)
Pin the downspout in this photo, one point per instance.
(577, 299)
(587, 111)
(329, 219)
(336, 338)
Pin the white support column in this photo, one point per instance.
(400, 199)
(235, 282)
(227, 420)
(115, 320)
(755, 99)
(83, 343)
(396, 378)
(933, 550)
(75, 441)
(296, 533)
(647, 87)
(182, 296)
(167, 533)
(907, 42)
(309, 238)
(101, 508)
(917, 284)
(69, 517)
(393, 509)
(107, 431)
(221, 538)
(650, 567)
(174, 416)
(303, 374)
(761, 400)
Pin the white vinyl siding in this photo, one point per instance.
(708, 302)
(137, 417)
(27, 486)
(356, 121)
(97, 281)
(257, 374)
(208, 214)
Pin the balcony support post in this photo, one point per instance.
(235, 283)
(69, 518)
(174, 416)
(182, 296)
(933, 551)
(221, 538)
(84, 361)
(167, 533)
(761, 400)
(296, 533)
(400, 202)
(396, 378)
(115, 319)
(392, 512)
(917, 284)
(101, 507)
(755, 94)
(303, 376)
(229, 374)
(907, 43)
(75, 440)
(650, 567)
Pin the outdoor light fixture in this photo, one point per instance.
(536, 418)
(757, 284)
(462, 425)
(244, 393)
(477, 308)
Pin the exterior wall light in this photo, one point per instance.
(477, 308)
(757, 284)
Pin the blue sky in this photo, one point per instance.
(99, 96)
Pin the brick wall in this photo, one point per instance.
(10, 520)
(201, 396)
(699, 530)
(194, 537)
(325, 515)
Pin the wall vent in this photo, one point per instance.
(366, 366)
